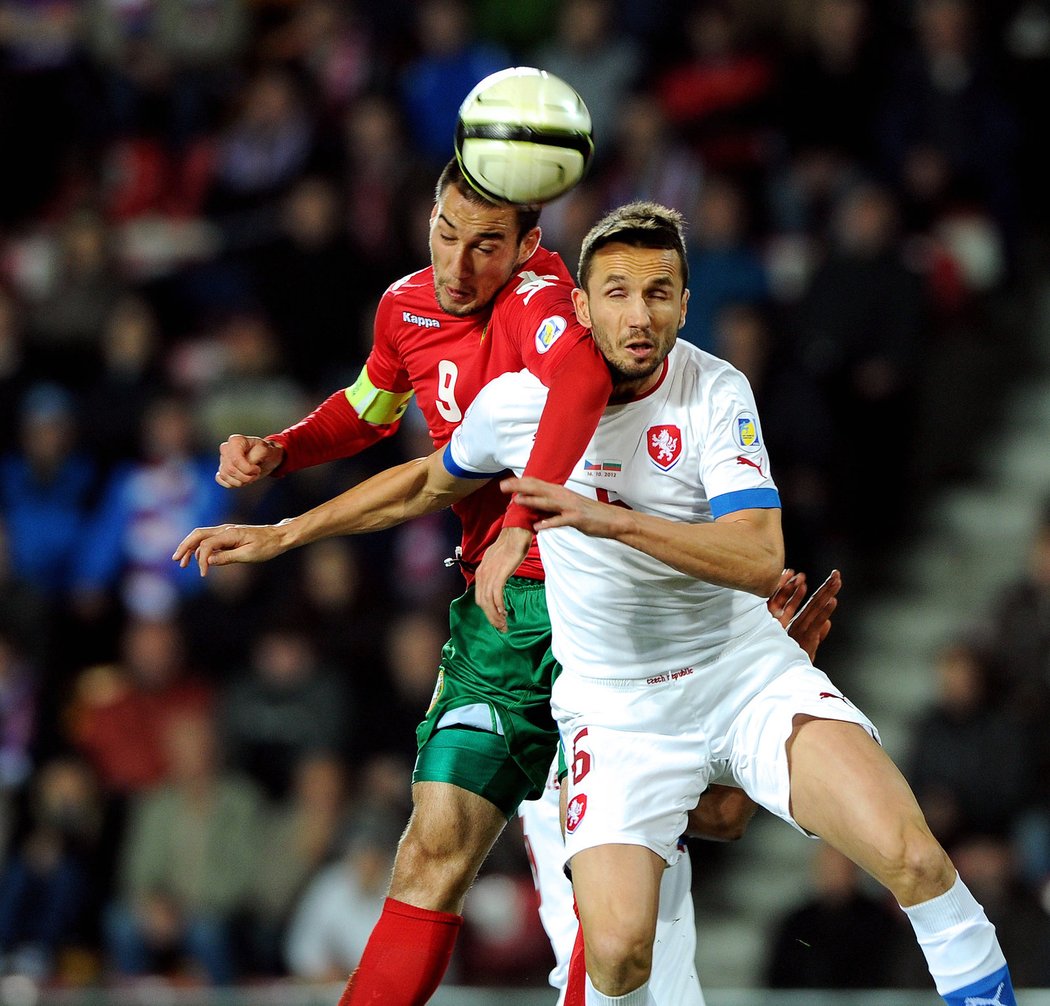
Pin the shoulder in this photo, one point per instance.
(712, 375)
(509, 392)
(409, 285)
(540, 280)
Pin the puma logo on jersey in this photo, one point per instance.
(757, 465)
(418, 319)
(981, 1001)
(531, 283)
(830, 695)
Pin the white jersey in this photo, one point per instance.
(691, 450)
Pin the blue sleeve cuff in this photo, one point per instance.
(463, 473)
(745, 499)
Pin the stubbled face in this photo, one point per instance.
(474, 250)
(634, 305)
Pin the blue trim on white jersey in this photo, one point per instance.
(745, 499)
(996, 988)
(462, 473)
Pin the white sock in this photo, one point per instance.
(958, 940)
(641, 996)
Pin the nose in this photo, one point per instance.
(636, 313)
(462, 264)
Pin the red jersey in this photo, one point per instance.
(446, 360)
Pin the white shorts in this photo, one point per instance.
(674, 978)
(641, 751)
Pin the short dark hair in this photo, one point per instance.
(452, 174)
(641, 224)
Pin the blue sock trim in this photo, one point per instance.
(995, 990)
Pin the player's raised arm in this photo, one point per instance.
(392, 497)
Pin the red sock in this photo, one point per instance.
(575, 983)
(405, 959)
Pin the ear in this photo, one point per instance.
(433, 213)
(685, 301)
(583, 307)
(529, 244)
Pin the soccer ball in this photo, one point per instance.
(524, 136)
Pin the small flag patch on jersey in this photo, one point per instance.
(602, 466)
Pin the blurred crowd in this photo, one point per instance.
(200, 204)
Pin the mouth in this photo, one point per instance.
(640, 349)
(458, 295)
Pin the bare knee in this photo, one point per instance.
(433, 869)
(917, 868)
(619, 958)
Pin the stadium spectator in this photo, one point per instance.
(301, 835)
(285, 704)
(188, 863)
(724, 268)
(114, 404)
(124, 552)
(450, 61)
(119, 713)
(969, 764)
(589, 50)
(51, 884)
(334, 918)
(859, 326)
(46, 489)
(840, 937)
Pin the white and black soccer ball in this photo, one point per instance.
(524, 136)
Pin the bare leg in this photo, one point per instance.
(846, 789)
(447, 839)
(617, 893)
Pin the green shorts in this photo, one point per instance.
(489, 728)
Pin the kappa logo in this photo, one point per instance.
(421, 320)
(757, 465)
(981, 1001)
(548, 332)
(575, 811)
(531, 283)
(664, 444)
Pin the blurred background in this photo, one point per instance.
(202, 782)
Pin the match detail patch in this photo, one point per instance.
(745, 429)
(549, 331)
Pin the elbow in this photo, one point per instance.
(767, 577)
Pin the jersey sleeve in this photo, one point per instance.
(577, 395)
(735, 466)
(549, 341)
(470, 454)
(354, 418)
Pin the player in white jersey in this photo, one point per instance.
(721, 816)
(651, 703)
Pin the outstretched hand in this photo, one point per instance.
(229, 543)
(498, 564)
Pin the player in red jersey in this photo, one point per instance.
(492, 301)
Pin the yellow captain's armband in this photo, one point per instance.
(372, 404)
